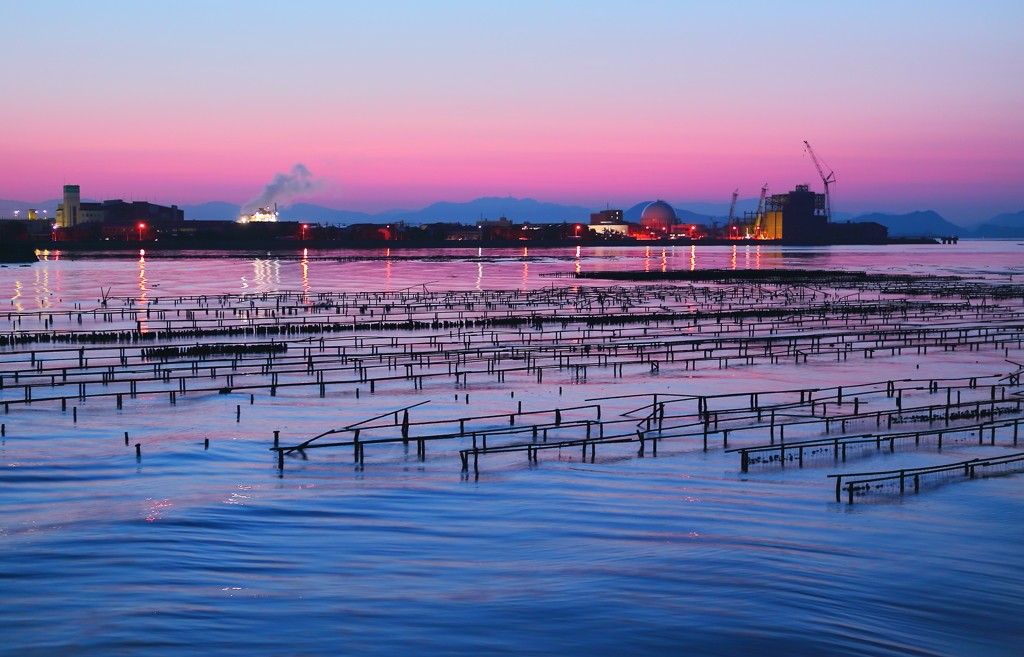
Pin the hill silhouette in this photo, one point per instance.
(915, 224)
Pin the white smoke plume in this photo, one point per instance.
(284, 188)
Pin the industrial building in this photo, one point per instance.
(606, 217)
(262, 215)
(659, 217)
(799, 215)
(609, 223)
(659, 220)
(73, 212)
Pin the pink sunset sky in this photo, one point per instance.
(916, 105)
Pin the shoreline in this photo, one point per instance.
(289, 245)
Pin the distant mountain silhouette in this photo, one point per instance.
(7, 208)
(915, 224)
(319, 214)
(212, 211)
(1014, 219)
(994, 231)
(493, 207)
(1002, 226)
(517, 210)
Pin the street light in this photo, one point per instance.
(141, 228)
(304, 227)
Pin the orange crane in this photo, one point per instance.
(829, 179)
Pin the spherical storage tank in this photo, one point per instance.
(658, 215)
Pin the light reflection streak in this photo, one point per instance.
(142, 276)
(664, 260)
(266, 274)
(17, 296)
(734, 256)
(305, 273)
(42, 288)
(693, 257)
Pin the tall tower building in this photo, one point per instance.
(67, 212)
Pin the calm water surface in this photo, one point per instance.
(207, 552)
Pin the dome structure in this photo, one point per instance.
(659, 216)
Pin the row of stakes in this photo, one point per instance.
(322, 384)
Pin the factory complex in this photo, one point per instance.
(797, 217)
(800, 216)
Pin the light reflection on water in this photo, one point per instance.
(193, 551)
(384, 269)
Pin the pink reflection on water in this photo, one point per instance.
(465, 268)
(155, 509)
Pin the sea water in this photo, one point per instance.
(189, 550)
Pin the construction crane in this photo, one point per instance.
(759, 217)
(829, 179)
(732, 211)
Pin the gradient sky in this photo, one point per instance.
(916, 105)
